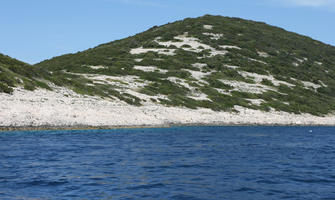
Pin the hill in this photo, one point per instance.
(15, 73)
(211, 62)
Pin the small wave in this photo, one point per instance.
(109, 164)
(316, 180)
(7, 178)
(267, 182)
(158, 167)
(44, 183)
(184, 197)
(191, 166)
(245, 189)
(320, 167)
(186, 166)
(97, 178)
(148, 186)
(92, 184)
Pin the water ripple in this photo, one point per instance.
(179, 163)
(43, 183)
(147, 186)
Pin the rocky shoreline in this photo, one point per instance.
(84, 127)
(63, 109)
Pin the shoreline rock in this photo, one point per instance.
(64, 109)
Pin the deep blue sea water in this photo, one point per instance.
(169, 163)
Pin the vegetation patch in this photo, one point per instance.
(262, 49)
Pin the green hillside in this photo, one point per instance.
(211, 62)
(15, 73)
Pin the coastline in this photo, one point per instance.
(84, 127)
(63, 109)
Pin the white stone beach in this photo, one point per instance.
(64, 108)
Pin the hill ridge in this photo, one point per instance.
(210, 62)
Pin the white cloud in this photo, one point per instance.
(310, 3)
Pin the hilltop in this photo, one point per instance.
(212, 64)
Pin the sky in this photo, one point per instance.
(35, 30)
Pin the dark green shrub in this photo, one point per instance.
(4, 88)
(267, 82)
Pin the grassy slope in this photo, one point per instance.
(284, 49)
(16, 73)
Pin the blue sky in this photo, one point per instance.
(34, 30)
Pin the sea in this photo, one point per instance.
(181, 163)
